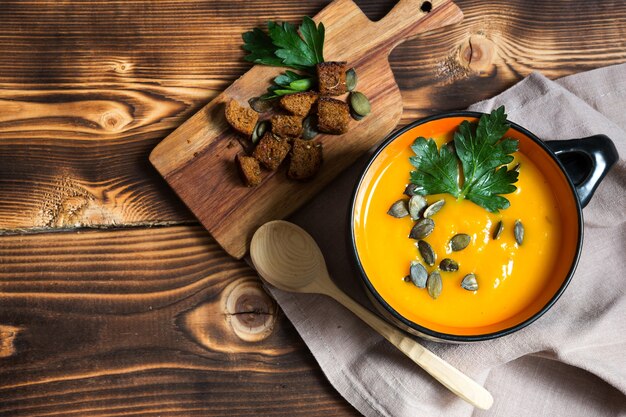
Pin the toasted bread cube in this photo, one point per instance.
(271, 150)
(242, 119)
(249, 169)
(299, 103)
(306, 159)
(331, 77)
(286, 126)
(333, 115)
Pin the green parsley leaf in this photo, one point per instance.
(437, 171)
(261, 48)
(482, 153)
(485, 191)
(284, 46)
(313, 36)
(291, 48)
(481, 149)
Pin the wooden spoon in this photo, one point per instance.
(288, 258)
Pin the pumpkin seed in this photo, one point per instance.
(427, 252)
(259, 130)
(434, 208)
(360, 104)
(422, 228)
(469, 282)
(351, 79)
(255, 137)
(308, 128)
(416, 205)
(355, 116)
(418, 274)
(434, 284)
(498, 230)
(518, 231)
(407, 279)
(449, 265)
(398, 209)
(411, 189)
(517, 167)
(460, 242)
(259, 105)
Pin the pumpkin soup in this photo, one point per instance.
(484, 283)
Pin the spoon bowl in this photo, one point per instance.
(288, 258)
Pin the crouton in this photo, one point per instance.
(271, 150)
(306, 159)
(249, 170)
(299, 103)
(242, 119)
(286, 126)
(333, 115)
(331, 77)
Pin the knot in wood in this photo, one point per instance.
(477, 55)
(114, 120)
(251, 309)
(251, 312)
(122, 67)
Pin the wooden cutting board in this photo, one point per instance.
(197, 159)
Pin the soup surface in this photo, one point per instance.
(511, 277)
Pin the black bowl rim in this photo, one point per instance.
(447, 336)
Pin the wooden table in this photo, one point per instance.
(113, 301)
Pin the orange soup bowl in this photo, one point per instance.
(517, 282)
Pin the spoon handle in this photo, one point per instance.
(442, 371)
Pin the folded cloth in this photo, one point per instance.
(570, 362)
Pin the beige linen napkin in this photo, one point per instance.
(570, 362)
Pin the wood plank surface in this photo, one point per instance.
(158, 321)
(146, 321)
(101, 85)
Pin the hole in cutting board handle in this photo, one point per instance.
(376, 11)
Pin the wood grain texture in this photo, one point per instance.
(120, 322)
(197, 159)
(145, 321)
(141, 68)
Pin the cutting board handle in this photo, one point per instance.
(408, 18)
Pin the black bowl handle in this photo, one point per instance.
(586, 161)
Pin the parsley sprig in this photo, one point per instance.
(482, 153)
(283, 46)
